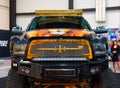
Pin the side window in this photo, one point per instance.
(32, 25)
(84, 24)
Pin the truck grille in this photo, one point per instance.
(59, 48)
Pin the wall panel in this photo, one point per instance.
(32, 5)
(4, 14)
(112, 15)
(84, 4)
(25, 6)
(111, 3)
(112, 19)
(91, 3)
(4, 3)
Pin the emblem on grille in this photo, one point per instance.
(60, 48)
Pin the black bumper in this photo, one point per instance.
(62, 70)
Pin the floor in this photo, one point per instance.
(111, 66)
(4, 67)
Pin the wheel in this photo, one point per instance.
(15, 80)
(105, 80)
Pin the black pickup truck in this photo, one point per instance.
(59, 50)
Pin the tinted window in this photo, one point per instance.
(58, 22)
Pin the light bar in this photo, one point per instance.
(73, 12)
(60, 59)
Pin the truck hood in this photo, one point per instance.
(58, 32)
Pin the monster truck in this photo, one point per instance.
(59, 50)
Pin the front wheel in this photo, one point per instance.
(15, 80)
(105, 80)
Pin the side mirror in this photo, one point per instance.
(17, 29)
(100, 31)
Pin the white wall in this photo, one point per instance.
(112, 16)
(4, 14)
(84, 4)
(32, 5)
(112, 19)
(111, 3)
(23, 6)
(91, 3)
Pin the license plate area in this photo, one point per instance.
(59, 72)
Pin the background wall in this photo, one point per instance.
(112, 13)
(4, 14)
(34, 5)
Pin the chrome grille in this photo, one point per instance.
(59, 49)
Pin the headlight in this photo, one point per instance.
(99, 49)
(19, 49)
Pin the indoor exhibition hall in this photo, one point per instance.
(59, 43)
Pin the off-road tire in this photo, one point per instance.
(15, 80)
(106, 79)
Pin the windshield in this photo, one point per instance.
(58, 22)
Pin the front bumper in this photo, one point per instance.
(62, 70)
